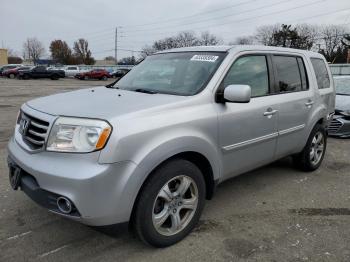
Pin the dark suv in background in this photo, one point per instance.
(41, 72)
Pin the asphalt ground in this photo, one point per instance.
(275, 213)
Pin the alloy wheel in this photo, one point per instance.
(175, 205)
(317, 148)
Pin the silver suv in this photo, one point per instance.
(153, 146)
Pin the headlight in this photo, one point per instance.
(79, 135)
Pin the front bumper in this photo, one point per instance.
(103, 194)
(339, 127)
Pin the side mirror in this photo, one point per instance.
(237, 93)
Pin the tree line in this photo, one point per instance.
(333, 41)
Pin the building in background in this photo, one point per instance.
(3, 57)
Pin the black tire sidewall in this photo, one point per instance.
(304, 158)
(143, 214)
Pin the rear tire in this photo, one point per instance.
(170, 203)
(313, 153)
(86, 78)
(12, 76)
(104, 78)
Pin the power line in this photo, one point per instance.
(235, 21)
(306, 18)
(215, 18)
(190, 16)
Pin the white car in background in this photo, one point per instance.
(71, 71)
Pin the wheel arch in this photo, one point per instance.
(200, 160)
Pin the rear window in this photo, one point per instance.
(321, 73)
(289, 77)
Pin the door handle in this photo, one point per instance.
(270, 112)
(309, 103)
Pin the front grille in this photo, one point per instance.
(33, 130)
(334, 126)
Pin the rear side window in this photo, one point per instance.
(288, 76)
(321, 73)
(250, 70)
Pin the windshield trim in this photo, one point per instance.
(203, 86)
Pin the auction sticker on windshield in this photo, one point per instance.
(204, 58)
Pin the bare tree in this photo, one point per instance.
(146, 51)
(243, 40)
(331, 45)
(82, 52)
(33, 49)
(183, 39)
(264, 34)
(310, 33)
(207, 38)
(110, 58)
(186, 38)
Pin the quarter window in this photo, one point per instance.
(321, 73)
(288, 76)
(249, 70)
(304, 80)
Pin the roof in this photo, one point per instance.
(217, 48)
(236, 48)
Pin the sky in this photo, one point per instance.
(140, 23)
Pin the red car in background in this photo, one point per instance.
(12, 73)
(94, 74)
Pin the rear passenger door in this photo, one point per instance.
(295, 102)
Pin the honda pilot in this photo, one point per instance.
(152, 147)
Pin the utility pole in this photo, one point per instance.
(116, 45)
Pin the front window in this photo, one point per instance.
(184, 73)
(250, 70)
(342, 85)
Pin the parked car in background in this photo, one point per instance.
(13, 73)
(152, 147)
(340, 125)
(40, 72)
(101, 74)
(120, 72)
(71, 71)
(6, 67)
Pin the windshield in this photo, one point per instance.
(342, 85)
(184, 73)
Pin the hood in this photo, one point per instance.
(342, 102)
(100, 102)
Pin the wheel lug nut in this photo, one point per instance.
(174, 210)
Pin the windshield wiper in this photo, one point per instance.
(343, 94)
(146, 91)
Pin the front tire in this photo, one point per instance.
(313, 153)
(170, 203)
(54, 77)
